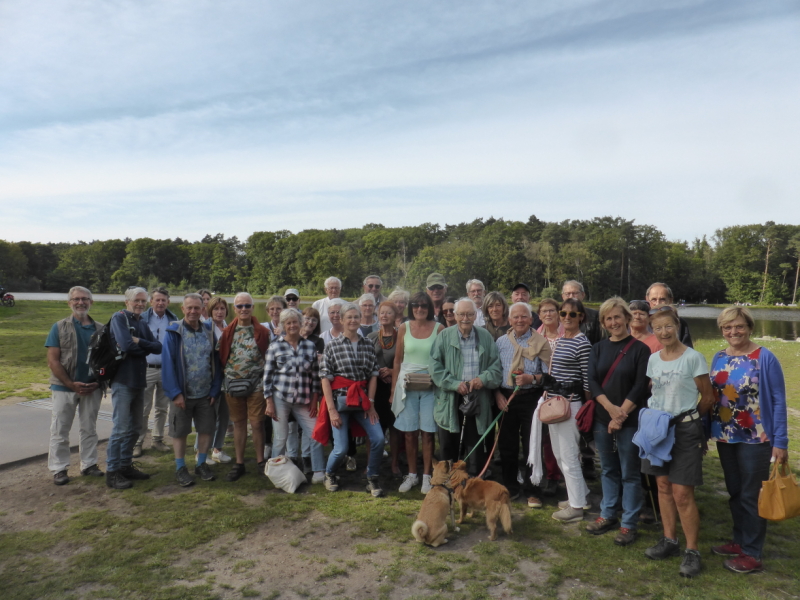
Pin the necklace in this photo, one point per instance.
(388, 345)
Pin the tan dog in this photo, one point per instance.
(431, 524)
(475, 493)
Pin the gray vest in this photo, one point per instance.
(68, 342)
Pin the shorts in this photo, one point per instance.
(417, 413)
(247, 408)
(686, 466)
(198, 410)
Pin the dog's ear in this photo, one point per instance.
(449, 465)
(434, 463)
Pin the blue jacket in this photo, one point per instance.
(655, 436)
(133, 369)
(173, 367)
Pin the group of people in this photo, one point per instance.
(339, 372)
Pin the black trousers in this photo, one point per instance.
(516, 426)
(449, 442)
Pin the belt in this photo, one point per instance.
(689, 415)
(149, 366)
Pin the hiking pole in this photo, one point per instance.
(463, 426)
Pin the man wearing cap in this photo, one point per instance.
(522, 293)
(333, 287)
(437, 290)
(373, 285)
(292, 297)
(591, 322)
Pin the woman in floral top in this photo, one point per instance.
(748, 422)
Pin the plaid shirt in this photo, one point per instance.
(341, 359)
(291, 375)
(506, 350)
(469, 350)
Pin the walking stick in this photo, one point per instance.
(463, 425)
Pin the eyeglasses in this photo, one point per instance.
(416, 305)
(374, 286)
(547, 311)
(730, 328)
(570, 294)
(80, 300)
(436, 288)
(466, 314)
(243, 306)
(292, 298)
(571, 314)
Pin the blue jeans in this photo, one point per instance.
(127, 417)
(341, 436)
(281, 430)
(745, 466)
(620, 468)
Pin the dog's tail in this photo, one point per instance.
(420, 531)
(505, 512)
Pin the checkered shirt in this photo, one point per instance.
(291, 375)
(341, 359)
(469, 351)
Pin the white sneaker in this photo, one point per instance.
(426, 484)
(565, 504)
(220, 456)
(350, 465)
(409, 481)
(318, 477)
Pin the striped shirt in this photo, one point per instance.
(506, 350)
(571, 360)
(291, 375)
(469, 351)
(341, 358)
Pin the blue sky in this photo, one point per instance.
(177, 119)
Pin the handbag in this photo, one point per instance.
(417, 382)
(585, 416)
(554, 409)
(470, 407)
(284, 474)
(779, 497)
(240, 388)
(340, 398)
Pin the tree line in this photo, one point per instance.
(757, 263)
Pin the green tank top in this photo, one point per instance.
(417, 351)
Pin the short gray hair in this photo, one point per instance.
(348, 306)
(193, 296)
(659, 284)
(332, 279)
(472, 303)
(365, 298)
(131, 293)
(288, 313)
(574, 283)
(277, 300)
(336, 302)
(523, 304)
(79, 288)
(472, 282)
(398, 293)
(238, 294)
(368, 277)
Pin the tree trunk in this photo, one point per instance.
(796, 276)
(766, 270)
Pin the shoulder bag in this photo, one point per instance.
(585, 416)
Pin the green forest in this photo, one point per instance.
(745, 263)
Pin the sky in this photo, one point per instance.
(173, 119)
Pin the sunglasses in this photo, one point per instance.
(415, 305)
(448, 311)
(292, 298)
(241, 306)
(374, 286)
(436, 288)
(571, 314)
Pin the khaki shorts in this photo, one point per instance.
(247, 408)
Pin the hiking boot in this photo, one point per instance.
(729, 549)
(204, 472)
(350, 465)
(307, 465)
(602, 525)
(665, 548)
(409, 482)
(744, 564)
(566, 504)
(236, 471)
(550, 488)
(220, 456)
(569, 515)
(690, 565)
(116, 481)
(534, 502)
(183, 477)
(132, 473)
(374, 487)
(137, 451)
(625, 536)
(318, 477)
(61, 478)
(93, 471)
(331, 482)
(160, 446)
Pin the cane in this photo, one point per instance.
(463, 425)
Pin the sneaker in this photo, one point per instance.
(220, 456)
(137, 451)
(307, 468)
(566, 504)
(350, 465)
(568, 515)
(61, 478)
(520, 479)
(602, 525)
(550, 488)
(729, 549)
(184, 478)
(331, 482)
(236, 472)
(665, 548)
(116, 481)
(534, 502)
(690, 565)
(625, 536)
(133, 473)
(93, 471)
(318, 477)
(426, 484)
(160, 446)
(374, 487)
(744, 564)
(409, 482)
(204, 472)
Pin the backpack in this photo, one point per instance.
(104, 355)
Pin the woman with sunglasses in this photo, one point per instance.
(449, 311)
(570, 369)
(413, 409)
(640, 325)
(495, 313)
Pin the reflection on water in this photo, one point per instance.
(783, 324)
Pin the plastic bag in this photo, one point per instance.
(779, 497)
(283, 474)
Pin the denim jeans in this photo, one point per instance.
(745, 466)
(341, 437)
(620, 468)
(127, 417)
(281, 430)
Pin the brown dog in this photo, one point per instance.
(475, 493)
(431, 524)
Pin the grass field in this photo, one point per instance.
(159, 542)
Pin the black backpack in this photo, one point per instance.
(104, 355)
